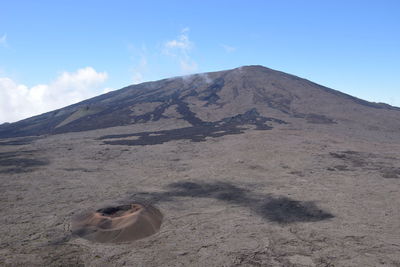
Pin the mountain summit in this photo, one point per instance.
(249, 94)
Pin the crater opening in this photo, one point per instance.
(117, 224)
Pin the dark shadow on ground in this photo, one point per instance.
(278, 209)
(20, 161)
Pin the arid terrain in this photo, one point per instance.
(249, 167)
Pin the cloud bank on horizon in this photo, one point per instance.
(18, 101)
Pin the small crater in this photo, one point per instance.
(118, 224)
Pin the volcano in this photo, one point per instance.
(253, 93)
(248, 167)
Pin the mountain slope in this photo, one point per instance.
(210, 97)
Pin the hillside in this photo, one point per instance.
(199, 99)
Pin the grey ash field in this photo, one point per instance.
(250, 167)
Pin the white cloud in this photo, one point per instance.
(3, 40)
(180, 49)
(228, 48)
(182, 43)
(18, 101)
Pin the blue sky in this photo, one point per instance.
(54, 53)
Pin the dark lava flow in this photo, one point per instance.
(198, 132)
